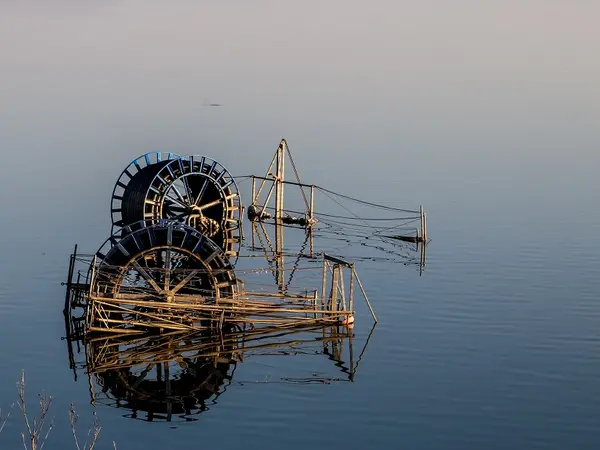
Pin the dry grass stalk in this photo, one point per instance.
(3, 420)
(93, 431)
(35, 438)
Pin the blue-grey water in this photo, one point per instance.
(486, 114)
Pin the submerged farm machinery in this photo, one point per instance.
(172, 262)
(174, 298)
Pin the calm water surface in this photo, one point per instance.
(496, 346)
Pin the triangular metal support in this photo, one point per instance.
(259, 209)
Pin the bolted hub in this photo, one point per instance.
(169, 295)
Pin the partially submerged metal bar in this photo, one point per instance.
(365, 295)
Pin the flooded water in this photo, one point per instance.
(485, 114)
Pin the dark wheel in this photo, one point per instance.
(195, 190)
(132, 182)
(165, 262)
(200, 192)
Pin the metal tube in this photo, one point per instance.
(282, 177)
(351, 294)
(323, 286)
(365, 295)
(311, 212)
(421, 216)
(334, 287)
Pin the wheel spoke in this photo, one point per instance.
(185, 281)
(210, 205)
(177, 193)
(188, 191)
(175, 201)
(167, 268)
(146, 276)
(179, 216)
(202, 189)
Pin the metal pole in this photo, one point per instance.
(311, 213)
(421, 267)
(334, 287)
(342, 290)
(280, 255)
(278, 216)
(421, 216)
(323, 286)
(278, 182)
(67, 308)
(351, 294)
(351, 350)
(264, 207)
(365, 295)
(282, 178)
(265, 178)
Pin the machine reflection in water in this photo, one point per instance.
(176, 376)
